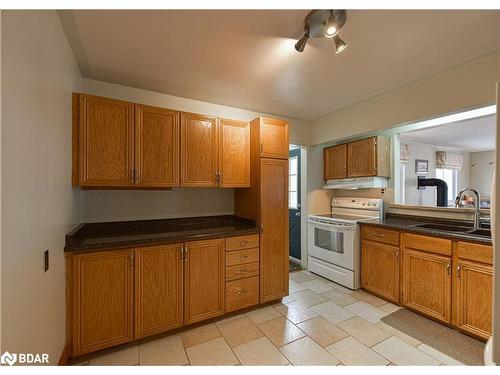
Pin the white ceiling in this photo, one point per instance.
(246, 59)
(470, 135)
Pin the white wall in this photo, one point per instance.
(468, 85)
(39, 205)
(101, 205)
(481, 171)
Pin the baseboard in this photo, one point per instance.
(64, 359)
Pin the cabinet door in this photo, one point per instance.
(102, 300)
(199, 150)
(105, 142)
(203, 280)
(274, 225)
(156, 147)
(362, 158)
(474, 300)
(380, 269)
(158, 289)
(234, 153)
(273, 138)
(427, 284)
(335, 159)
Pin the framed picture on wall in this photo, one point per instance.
(421, 166)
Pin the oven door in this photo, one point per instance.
(332, 243)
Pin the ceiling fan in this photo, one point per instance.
(323, 23)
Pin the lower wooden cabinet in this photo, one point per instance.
(427, 284)
(473, 289)
(203, 280)
(380, 269)
(474, 301)
(159, 284)
(117, 296)
(102, 300)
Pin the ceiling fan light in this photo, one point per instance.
(340, 45)
(301, 44)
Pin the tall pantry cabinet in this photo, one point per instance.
(266, 202)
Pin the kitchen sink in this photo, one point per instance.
(444, 227)
(481, 232)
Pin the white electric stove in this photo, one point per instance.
(334, 250)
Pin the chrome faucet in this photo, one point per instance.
(477, 204)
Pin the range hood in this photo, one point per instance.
(357, 183)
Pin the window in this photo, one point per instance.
(293, 182)
(450, 176)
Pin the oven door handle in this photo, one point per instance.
(331, 226)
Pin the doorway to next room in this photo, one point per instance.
(295, 206)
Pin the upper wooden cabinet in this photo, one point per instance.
(159, 284)
(365, 158)
(117, 144)
(103, 142)
(156, 147)
(273, 138)
(203, 280)
(234, 153)
(102, 300)
(335, 162)
(199, 150)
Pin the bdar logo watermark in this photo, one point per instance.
(24, 358)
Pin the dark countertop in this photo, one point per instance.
(124, 234)
(407, 223)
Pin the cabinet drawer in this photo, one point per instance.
(380, 235)
(476, 252)
(242, 257)
(242, 270)
(427, 243)
(242, 293)
(242, 242)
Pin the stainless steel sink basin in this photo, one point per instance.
(444, 227)
(481, 232)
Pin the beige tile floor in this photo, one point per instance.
(320, 323)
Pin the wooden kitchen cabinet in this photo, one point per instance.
(234, 153)
(156, 147)
(335, 162)
(473, 297)
(380, 269)
(203, 280)
(426, 283)
(159, 284)
(273, 138)
(274, 229)
(199, 150)
(365, 158)
(103, 142)
(368, 157)
(102, 300)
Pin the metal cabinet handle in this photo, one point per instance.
(243, 257)
(397, 256)
(244, 270)
(261, 148)
(182, 253)
(131, 261)
(185, 253)
(242, 291)
(242, 243)
(132, 176)
(459, 271)
(378, 234)
(448, 269)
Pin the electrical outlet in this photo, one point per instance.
(46, 260)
